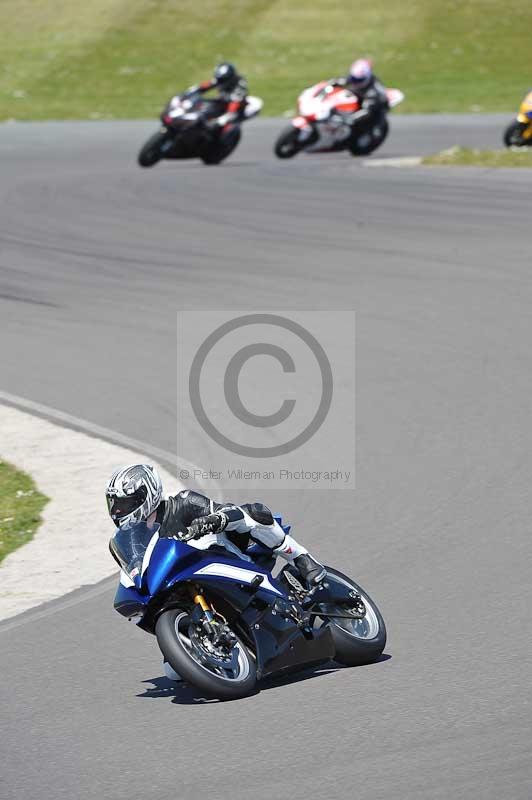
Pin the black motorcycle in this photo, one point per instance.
(189, 130)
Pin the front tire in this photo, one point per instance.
(287, 145)
(151, 152)
(357, 642)
(184, 656)
(513, 135)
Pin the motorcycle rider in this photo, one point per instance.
(135, 494)
(232, 92)
(371, 93)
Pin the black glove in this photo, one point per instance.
(212, 523)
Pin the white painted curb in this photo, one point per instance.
(400, 161)
(70, 548)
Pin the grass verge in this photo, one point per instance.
(68, 59)
(465, 157)
(20, 508)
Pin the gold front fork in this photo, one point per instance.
(220, 634)
(200, 601)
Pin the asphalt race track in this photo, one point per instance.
(96, 256)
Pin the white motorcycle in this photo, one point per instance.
(331, 118)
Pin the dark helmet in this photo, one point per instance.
(225, 75)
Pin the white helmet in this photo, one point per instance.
(360, 73)
(133, 493)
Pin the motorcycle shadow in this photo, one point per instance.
(184, 694)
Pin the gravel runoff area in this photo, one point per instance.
(69, 549)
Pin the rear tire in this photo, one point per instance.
(369, 138)
(353, 650)
(175, 652)
(223, 148)
(151, 153)
(287, 145)
(513, 135)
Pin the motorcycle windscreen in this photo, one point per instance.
(129, 546)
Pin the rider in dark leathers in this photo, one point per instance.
(371, 93)
(232, 91)
(134, 495)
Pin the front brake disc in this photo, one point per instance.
(216, 658)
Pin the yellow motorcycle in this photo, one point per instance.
(519, 132)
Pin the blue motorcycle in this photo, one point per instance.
(223, 620)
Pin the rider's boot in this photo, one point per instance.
(310, 570)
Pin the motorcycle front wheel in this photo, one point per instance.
(227, 675)
(357, 641)
(151, 152)
(513, 135)
(287, 145)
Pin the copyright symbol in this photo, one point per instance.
(184, 474)
(231, 387)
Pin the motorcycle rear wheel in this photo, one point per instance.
(186, 658)
(287, 145)
(370, 138)
(223, 148)
(357, 642)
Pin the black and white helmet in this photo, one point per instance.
(133, 493)
(225, 76)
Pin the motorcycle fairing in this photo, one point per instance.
(172, 561)
(282, 640)
(281, 644)
(525, 116)
(253, 106)
(302, 123)
(236, 573)
(318, 102)
(395, 96)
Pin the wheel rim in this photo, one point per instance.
(235, 671)
(365, 628)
